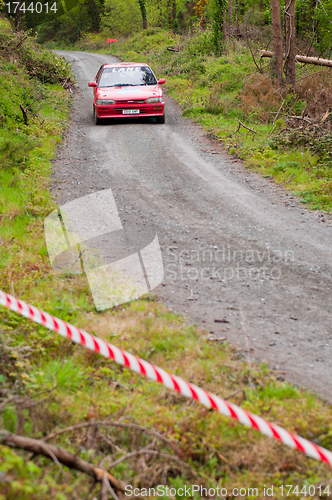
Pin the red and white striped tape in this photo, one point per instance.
(167, 379)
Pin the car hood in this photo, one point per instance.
(129, 93)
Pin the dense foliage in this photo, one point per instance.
(124, 17)
(25, 71)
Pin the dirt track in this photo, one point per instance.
(236, 248)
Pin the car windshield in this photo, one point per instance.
(127, 76)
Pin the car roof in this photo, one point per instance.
(124, 64)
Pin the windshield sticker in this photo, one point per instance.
(130, 68)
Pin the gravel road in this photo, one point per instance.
(236, 248)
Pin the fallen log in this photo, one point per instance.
(39, 447)
(302, 59)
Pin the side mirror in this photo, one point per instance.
(92, 84)
(161, 81)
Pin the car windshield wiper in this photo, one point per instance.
(124, 85)
(118, 85)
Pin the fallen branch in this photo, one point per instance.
(147, 451)
(226, 461)
(39, 447)
(24, 402)
(304, 118)
(302, 59)
(110, 443)
(276, 116)
(124, 425)
(21, 401)
(327, 114)
(290, 178)
(237, 392)
(242, 124)
(105, 488)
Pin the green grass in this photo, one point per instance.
(79, 385)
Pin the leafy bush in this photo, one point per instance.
(315, 139)
(42, 64)
(67, 374)
(45, 65)
(14, 151)
(24, 95)
(200, 42)
(121, 17)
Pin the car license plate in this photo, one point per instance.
(130, 111)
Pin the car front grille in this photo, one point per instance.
(131, 101)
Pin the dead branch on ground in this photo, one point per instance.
(244, 126)
(304, 118)
(160, 454)
(39, 447)
(290, 178)
(106, 422)
(26, 403)
(302, 59)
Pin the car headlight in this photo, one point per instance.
(154, 99)
(105, 101)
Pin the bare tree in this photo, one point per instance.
(289, 22)
(277, 39)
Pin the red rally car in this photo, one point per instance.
(127, 90)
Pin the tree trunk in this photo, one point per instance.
(143, 12)
(230, 11)
(277, 39)
(302, 59)
(18, 17)
(219, 25)
(169, 14)
(224, 26)
(289, 20)
(174, 14)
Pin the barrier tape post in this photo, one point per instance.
(167, 379)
